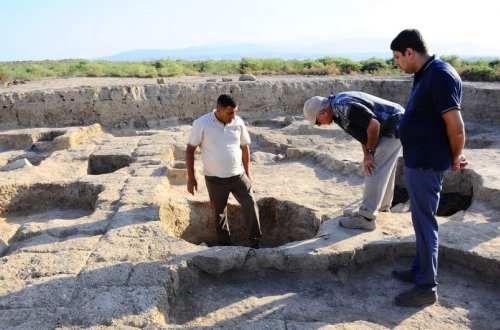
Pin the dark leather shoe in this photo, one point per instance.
(255, 244)
(404, 275)
(224, 243)
(416, 298)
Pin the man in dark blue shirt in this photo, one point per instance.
(374, 123)
(432, 134)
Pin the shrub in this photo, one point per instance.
(453, 60)
(479, 73)
(208, 66)
(293, 67)
(159, 64)
(95, 70)
(372, 65)
(469, 70)
(215, 67)
(495, 64)
(343, 65)
(6, 75)
(170, 69)
(271, 66)
(249, 65)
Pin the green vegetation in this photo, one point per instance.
(478, 70)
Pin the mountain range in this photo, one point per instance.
(354, 49)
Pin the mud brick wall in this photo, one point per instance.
(154, 105)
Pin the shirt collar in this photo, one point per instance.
(329, 101)
(425, 66)
(214, 118)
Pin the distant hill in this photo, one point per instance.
(354, 49)
(234, 52)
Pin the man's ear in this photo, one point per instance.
(409, 52)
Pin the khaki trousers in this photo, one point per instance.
(379, 187)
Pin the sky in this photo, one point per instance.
(88, 29)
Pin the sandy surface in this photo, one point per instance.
(99, 234)
(62, 83)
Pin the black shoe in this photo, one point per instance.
(224, 243)
(415, 298)
(404, 275)
(255, 244)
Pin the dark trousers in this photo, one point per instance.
(241, 188)
(424, 188)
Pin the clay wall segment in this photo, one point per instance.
(153, 105)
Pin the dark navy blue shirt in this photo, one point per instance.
(354, 110)
(437, 88)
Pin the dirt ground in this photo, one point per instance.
(101, 234)
(357, 299)
(352, 297)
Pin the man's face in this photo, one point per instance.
(226, 114)
(403, 62)
(322, 118)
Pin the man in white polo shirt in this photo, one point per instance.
(223, 140)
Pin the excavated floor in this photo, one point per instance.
(362, 297)
(102, 233)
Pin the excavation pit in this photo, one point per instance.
(357, 297)
(456, 196)
(270, 123)
(281, 222)
(104, 164)
(177, 173)
(35, 158)
(28, 139)
(479, 142)
(49, 136)
(40, 203)
(44, 196)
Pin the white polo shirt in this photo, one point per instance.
(220, 145)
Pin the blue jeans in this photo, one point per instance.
(424, 188)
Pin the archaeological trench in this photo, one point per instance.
(98, 231)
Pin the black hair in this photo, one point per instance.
(409, 38)
(226, 100)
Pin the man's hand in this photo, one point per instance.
(369, 164)
(192, 185)
(459, 163)
(456, 135)
(372, 133)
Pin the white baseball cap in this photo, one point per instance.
(312, 107)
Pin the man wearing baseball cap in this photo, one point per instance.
(374, 122)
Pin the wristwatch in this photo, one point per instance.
(371, 151)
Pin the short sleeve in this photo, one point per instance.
(447, 91)
(360, 115)
(196, 135)
(245, 137)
